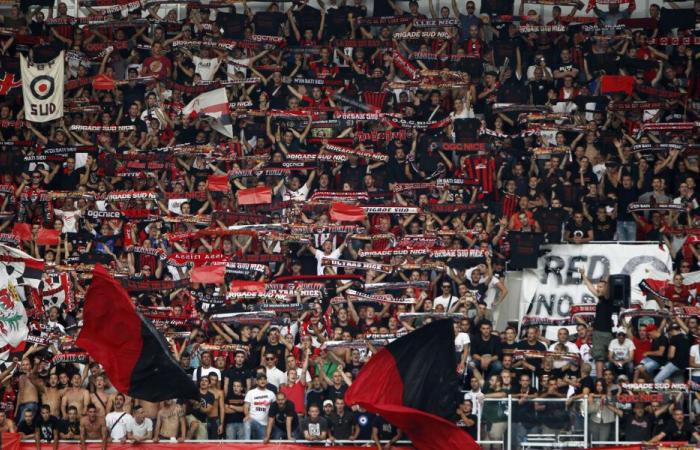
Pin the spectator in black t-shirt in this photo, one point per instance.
(639, 425)
(465, 420)
(282, 419)
(604, 226)
(578, 230)
(70, 428)
(678, 430)
(530, 343)
(678, 355)
(602, 323)
(627, 193)
(550, 219)
(46, 426)
(314, 427)
(341, 421)
(486, 350)
(233, 412)
(384, 431)
(656, 357)
(26, 426)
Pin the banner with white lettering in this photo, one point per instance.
(42, 89)
(550, 291)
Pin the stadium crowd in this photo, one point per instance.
(368, 174)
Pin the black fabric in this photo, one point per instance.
(425, 359)
(157, 376)
(524, 249)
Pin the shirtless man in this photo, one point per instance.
(6, 425)
(51, 395)
(100, 398)
(29, 385)
(217, 413)
(150, 409)
(76, 396)
(170, 423)
(92, 428)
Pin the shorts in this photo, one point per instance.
(601, 339)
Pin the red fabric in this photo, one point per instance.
(10, 441)
(218, 183)
(208, 274)
(111, 331)
(254, 196)
(247, 286)
(617, 83)
(103, 82)
(342, 212)
(379, 389)
(47, 236)
(23, 231)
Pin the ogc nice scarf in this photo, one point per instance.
(42, 89)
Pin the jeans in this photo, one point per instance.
(29, 406)
(520, 432)
(254, 430)
(649, 365)
(235, 431)
(626, 231)
(666, 371)
(213, 428)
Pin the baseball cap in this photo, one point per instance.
(327, 402)
(650, 328)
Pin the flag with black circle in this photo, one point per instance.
(42, 89)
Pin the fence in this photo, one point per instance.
(514, 423)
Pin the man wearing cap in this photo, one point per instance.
(256, 409)
(621, 352)
(678, 355)
(654, 358)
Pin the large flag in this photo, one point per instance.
(133, 353)
(413, 384)
(19, 268)
(42, 89)
(662, 287)
(215, 105)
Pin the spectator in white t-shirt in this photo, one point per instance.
(118, 421)
(695, 362)
(562, 338)
(327, 252)
(141, 428)
(256, 408)
(462, 343)
(446, 299)
(621, 353)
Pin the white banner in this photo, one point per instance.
(42, 89)
(549, 292)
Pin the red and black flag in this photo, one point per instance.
(413, 384)
(132, 352)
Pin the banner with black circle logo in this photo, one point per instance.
(42, 89)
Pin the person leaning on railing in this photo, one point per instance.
(601, 412)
